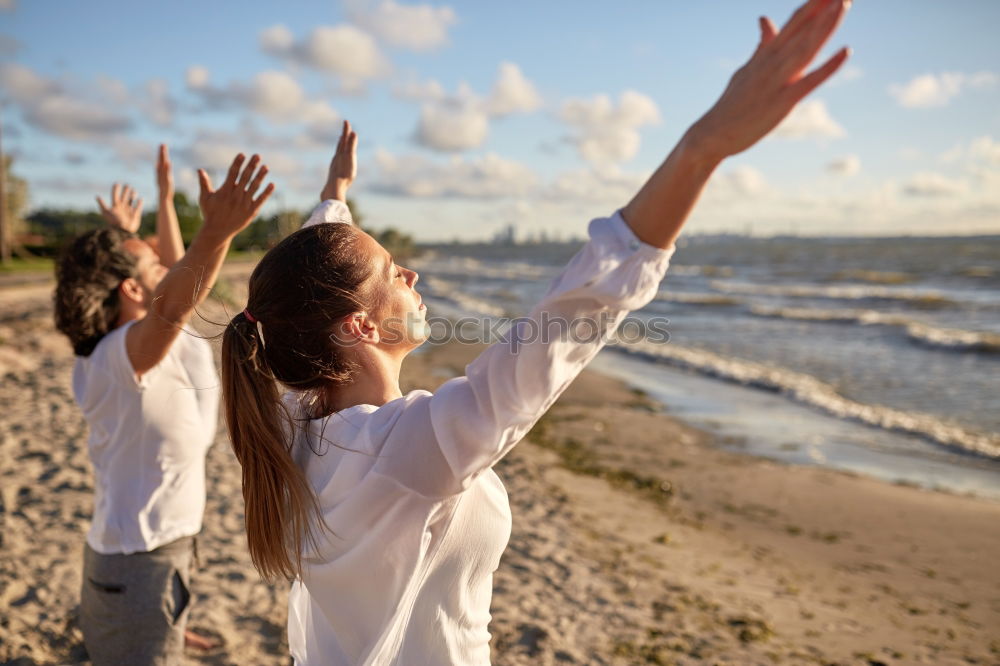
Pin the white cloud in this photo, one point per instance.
(74, 118)
(345, 51)
(277, 40)
(809, 119)
(512, 92)
(461, 121)
(112, 90)
(51, 107)
(412, 89)
(158, 104)
(414, 27)
(847, 165)
(986, 149)
(196, 77)
(23, 85)
(929, 90)
(451, 126)
(610, 186)
(604, 132)
(487, 177)
(214, 150)
(740, 182)
(275, 95)
(133, 152)
(930, 184)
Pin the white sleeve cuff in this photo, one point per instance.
(331, 210)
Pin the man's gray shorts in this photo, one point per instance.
(133, 608)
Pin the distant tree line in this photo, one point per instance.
(47, 229)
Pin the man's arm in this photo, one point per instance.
(168, 231)
(227, 211)
(758, 97)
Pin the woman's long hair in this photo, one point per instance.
(298, 292)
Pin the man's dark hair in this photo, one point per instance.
(88, 274)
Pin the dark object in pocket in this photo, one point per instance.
(110, 588)
(181, 595)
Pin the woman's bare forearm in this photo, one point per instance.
(658, 211)
(759, 96)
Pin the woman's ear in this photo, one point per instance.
(357, 328)
(131, 290)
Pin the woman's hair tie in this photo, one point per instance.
(254, 320)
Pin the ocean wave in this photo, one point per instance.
(468, 305)
(809, 390)
(951, 339)
(918, 297)
(696, 298)
(467, 266)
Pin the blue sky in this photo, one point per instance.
(476, 115)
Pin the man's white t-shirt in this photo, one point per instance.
(148, 441)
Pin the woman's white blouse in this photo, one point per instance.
(417, 518)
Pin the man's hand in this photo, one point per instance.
(766, 89)
(343, 166)
(125, 211)
(164, 174)
(229, 209)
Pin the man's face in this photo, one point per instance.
(149, 270)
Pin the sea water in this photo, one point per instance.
(880, 356)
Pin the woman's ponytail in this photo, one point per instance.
(280, 506)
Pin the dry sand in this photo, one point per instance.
(635, 541)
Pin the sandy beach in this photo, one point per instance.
(635, 540)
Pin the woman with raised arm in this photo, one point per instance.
(150, 397)
(383, 507)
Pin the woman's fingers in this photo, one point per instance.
(767, 31)
(137, 208)
(799, 51)
(800, 17)
(808, 83)
(258, 180)
(103, 206)
(234, 168)
(259, 201)
(248, 171)
(115, 194)
(205, 183)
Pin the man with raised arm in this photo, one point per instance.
(149, 392)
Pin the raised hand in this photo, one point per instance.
(229, 209)
(343, 167)
(764, 91)
(125, 211)
(164, 173)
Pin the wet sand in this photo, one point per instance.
(635, 540)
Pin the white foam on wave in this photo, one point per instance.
(809, 390)
(952, 339)
(696, 298)
(470, 305)
(841, 292)
(506, 270)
